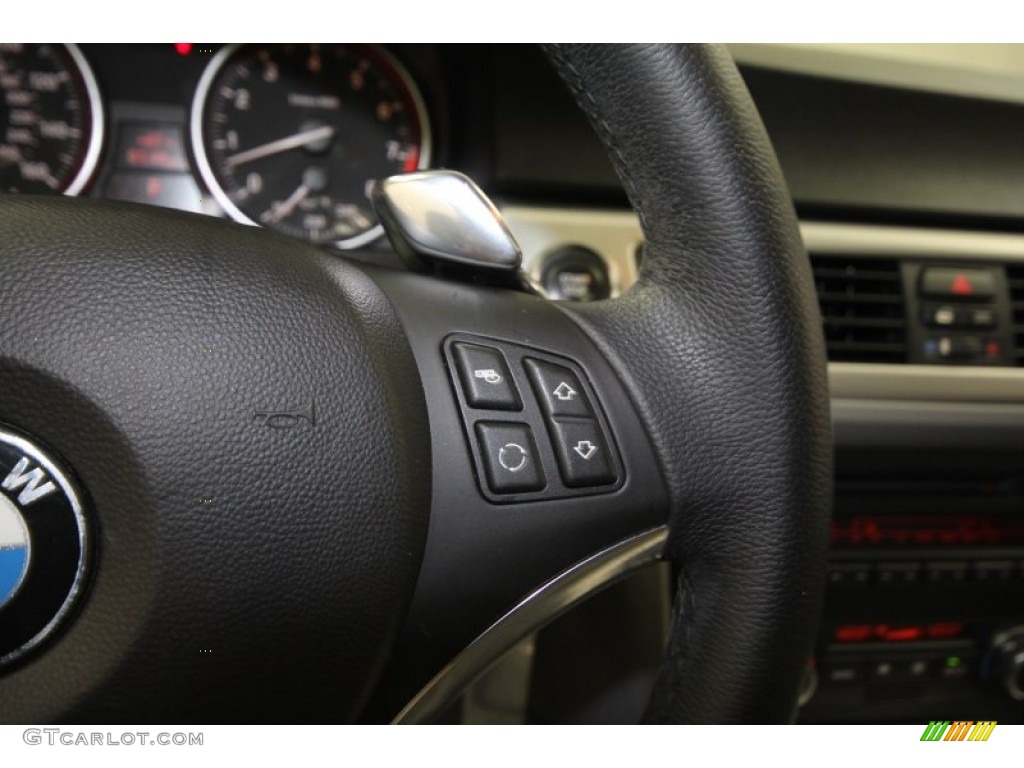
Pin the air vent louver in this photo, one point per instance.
(1015, 276)
(862, 308)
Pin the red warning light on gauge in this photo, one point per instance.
(183, 49)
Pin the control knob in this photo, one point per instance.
(1006, 662)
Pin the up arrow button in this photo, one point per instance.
(564, 392)
(558, 389)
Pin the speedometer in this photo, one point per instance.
(291, 137)
(51, 119)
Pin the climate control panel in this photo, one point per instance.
(914, 632)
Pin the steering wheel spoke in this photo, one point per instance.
(540, 459)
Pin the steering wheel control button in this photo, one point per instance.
(43, 546)
(558, 389)
(582, 453)
(559, 444)
(951, 283)
(510, 457)
(485, 378)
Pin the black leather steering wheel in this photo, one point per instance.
(248, 573)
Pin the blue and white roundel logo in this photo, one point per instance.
(44, 546)
(15, 550)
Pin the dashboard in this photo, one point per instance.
(909, 198)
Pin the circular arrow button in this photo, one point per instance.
(513, 457)
(509, 456)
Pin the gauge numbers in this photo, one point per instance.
(291, 137)
(51, 119)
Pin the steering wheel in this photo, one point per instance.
(291, 474)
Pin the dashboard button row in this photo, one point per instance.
(952, 316)
(898, 668)
(913, 573)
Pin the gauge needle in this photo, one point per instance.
(288, 205)
(282, 145)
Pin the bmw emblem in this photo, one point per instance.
(44, 546)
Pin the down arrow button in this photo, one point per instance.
(581, 452)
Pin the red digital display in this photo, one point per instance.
(944, 630)
(854, 633)
(903, 633)
(926, 531)
(899, 634)
(151, 148)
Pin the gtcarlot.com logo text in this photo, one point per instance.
(57, 737)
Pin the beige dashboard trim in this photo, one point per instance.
(926, 383)
(989, 71)
(824, 237)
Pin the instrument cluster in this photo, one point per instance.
(287, 137)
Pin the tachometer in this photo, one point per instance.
(291, 136)
(51, 119)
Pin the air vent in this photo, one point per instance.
(862, 308)
(1015, 276)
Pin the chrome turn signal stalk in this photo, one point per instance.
(443, 217)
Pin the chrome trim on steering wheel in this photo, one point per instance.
(536, 610)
